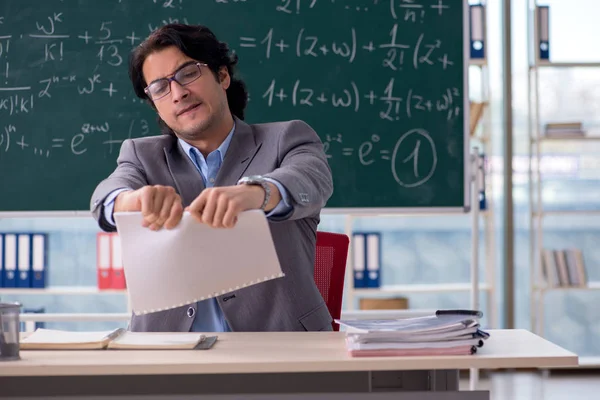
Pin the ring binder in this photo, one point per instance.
(544, 32)
(477, 31)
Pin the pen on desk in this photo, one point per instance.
(473, 313)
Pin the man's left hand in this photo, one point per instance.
(220, 206)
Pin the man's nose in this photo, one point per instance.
(178, 92)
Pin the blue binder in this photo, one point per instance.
(10, 260)
(39, 260)
(481, 181)
(359, 260)
(477, 31)
(544, 32)
(24, 260)
(373, 253)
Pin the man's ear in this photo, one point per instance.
(224, 78)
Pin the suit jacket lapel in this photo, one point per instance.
(241, 151)
(188, 180)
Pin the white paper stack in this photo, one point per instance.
(449, 332)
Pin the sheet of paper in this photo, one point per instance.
(67, 337)
(171, 268)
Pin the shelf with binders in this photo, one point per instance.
(549, 64)
(60, 290)
(587, 286)
(566, 138)
(23, 259)
(558, 274)
(24, 265)
(571, 213)
(561, 133)
(420, 288)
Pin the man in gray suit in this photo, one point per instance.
(212, 164)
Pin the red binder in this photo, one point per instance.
(103, 260)
(118, 276)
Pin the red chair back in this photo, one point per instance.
(330, 269)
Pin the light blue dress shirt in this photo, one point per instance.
(209, 317)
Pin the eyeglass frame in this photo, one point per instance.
(173, 79)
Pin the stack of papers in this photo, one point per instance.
(448, 332)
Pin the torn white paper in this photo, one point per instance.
(171, 268)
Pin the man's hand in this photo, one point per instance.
(220, 206)
(160, 205)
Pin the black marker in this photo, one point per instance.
(473, 313)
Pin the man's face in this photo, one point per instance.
(192, 109)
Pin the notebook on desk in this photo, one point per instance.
(116, 339)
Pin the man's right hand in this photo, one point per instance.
(160, 205)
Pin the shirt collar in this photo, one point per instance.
(221, 150)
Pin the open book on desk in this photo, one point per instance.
(117, 339)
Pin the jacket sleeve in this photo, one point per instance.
(128, 174)
(303, 170)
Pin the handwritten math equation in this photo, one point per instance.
(89, 136)
(405, 157)
(392, 104)
(395, 54)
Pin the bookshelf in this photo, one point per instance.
(538, 146)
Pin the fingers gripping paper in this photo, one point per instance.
(171, 268)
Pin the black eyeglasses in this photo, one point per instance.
(162, 87)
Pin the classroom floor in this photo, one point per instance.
(536, 386)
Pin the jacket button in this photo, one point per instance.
(190, 312)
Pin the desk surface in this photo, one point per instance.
(239, 353)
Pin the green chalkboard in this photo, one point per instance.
(381, 81)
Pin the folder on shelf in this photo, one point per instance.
(475, 113)
(10, 260)
(39, 260)
(103, 260)
(359, 250)
(1, 260)
(561, 262)
(118, 275)
(564, 129)
(543, 14)
(24, 260)
(550, 268)
(477, 31)
(373, 260)
(481, 161)
(580, 267)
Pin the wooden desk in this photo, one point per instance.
(270, 363)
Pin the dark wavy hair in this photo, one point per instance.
(199, 43)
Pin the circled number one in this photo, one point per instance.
(414, 156)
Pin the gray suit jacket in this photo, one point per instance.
(289, 152)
